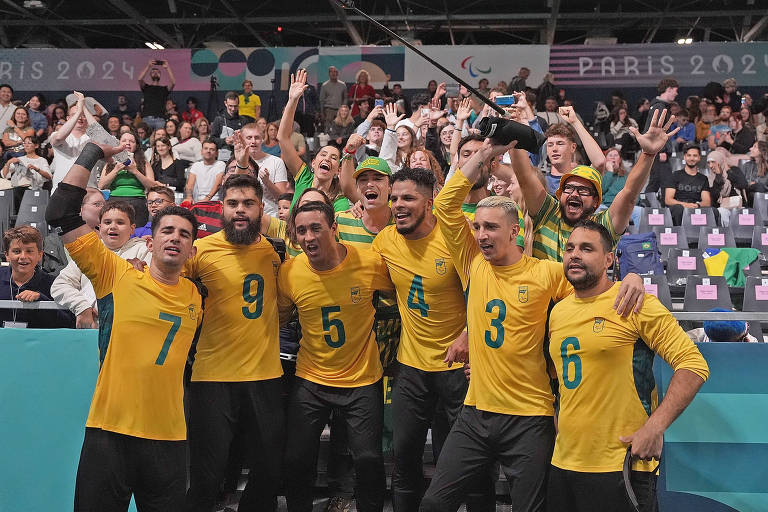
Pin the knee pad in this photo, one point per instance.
(90, 154)
(63, 209)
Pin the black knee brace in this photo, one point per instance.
(90, 154)
(63, 209)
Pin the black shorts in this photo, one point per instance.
(114, 466)
(574, 491)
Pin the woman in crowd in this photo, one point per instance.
(261, 124)
(425, 159)
(144, 132)
(23, 280)
(360, 91)
(203, 129)
(270, 144)
(341, 127)
(323, 172)
(30, 169)
(438, 141)
(756, 170)
(620, 129)
(172, 131)
(167, 168)
(614, 178)
(725, 185)
(129, 183)
(189, 147)
(13, 136)
(59, 114)
(36, 110)
(707, 116)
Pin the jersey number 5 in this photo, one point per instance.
(328, 322)
(417, 292)
(256, 300)
(570, 381)
(176, 320)
(497, 323)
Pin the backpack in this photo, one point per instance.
(639, 254)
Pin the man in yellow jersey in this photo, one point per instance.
(580, 193)
(507, 414)
(608, 398)
(338, 368)
(430, 297)
(135, 432)
(236, 384)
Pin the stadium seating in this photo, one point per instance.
(694, 219)
(756, 300)
(704, 293)
(6, 208)
(715, 237)
(32, 210)
(683, 263)
(761, 205)
(743, 222)
(760, 240)
(653, 217)
(656, 284)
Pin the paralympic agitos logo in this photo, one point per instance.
(474, 70)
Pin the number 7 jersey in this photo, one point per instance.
(338, 346)
(145, 331)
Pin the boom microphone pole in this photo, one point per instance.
(350, 4)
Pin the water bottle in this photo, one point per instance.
(98, 134)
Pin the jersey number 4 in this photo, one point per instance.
(416, 297)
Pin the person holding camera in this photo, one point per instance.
(155, 95)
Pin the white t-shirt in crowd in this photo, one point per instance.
(205, 177)
(64, 156)
(277, 173)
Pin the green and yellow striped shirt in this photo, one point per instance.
(551, 232)
(352, 231)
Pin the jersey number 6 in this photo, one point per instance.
(570, 382)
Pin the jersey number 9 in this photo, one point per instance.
(255, 302)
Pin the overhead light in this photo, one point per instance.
(685, 40)
(33, 4)
(154, 46)
(688, 40)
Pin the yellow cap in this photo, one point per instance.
(588, 173)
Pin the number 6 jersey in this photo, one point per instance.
(338, 346)
(145, 331)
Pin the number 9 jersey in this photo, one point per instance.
(145, 331)
(338, 346)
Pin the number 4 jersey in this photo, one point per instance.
(240, 338)
(145, 331)
(338, 346)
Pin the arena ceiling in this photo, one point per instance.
(191, 24)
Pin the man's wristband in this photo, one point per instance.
(349, 152)
(347, 156)
(649, 154)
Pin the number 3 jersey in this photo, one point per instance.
(338, 346)
(604, 367)
(145, 331)
(240, 338)
(506, 315)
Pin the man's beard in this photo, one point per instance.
(241, 236)
(410, 229)
(586, 282)
(585, 215)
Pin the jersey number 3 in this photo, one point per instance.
(255, 302)
(570, 381)
(495, 341)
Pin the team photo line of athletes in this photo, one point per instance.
(189, 344)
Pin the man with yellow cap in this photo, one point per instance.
(580, 193)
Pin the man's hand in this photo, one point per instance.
(647, 442)
(654, 140)
(80, 97)
(88, 319)
(440, 91)
(375, 112)
(13, 160)
(137, 264)
(458, 351)
(357, 210)
(467, 371)
(264, 174)
(464, 111)
(391, 118)
(28, 296)
(491, 150)
(238, 147)
(298, 85)
(435, 112)
(568, 114)
(630, 296)
(354, 142)
(521, 104)
(110, 151)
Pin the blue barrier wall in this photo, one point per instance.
(714, 457)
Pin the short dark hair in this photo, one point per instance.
(317, 206)
(175, 211)
(8, 86)
(192, 99)
(419, 100)
(288, 196)
(231, 95)
(561, 130)
(469, 138)
(162, 189)
(210, 141)
(121, 206)
(241, 181)
(605, 236)
(691, 146)
(24, 234)
(666, 83)
(423, 178)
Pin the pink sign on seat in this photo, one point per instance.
(706, 292)
(653, 289)
(655, 219)
(716, 239)
(747, 219)
(698, 219)
(761, 292)
(686, 262)
(668, 238)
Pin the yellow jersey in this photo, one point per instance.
(604, 367)
(429, 296)
(338, 346)
(246, 105)
(506, 312)
(278, 229)
(240, 339)
(146, 329)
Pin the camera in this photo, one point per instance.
(379, 103)
(505, 101)
(503, 131)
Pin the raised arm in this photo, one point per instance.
(347, 168)
(533, 191)
(462, 114)
(288, 153)
(591, 147)
(62, 133)
(651, 142)
(171, 78)
(144, 73)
